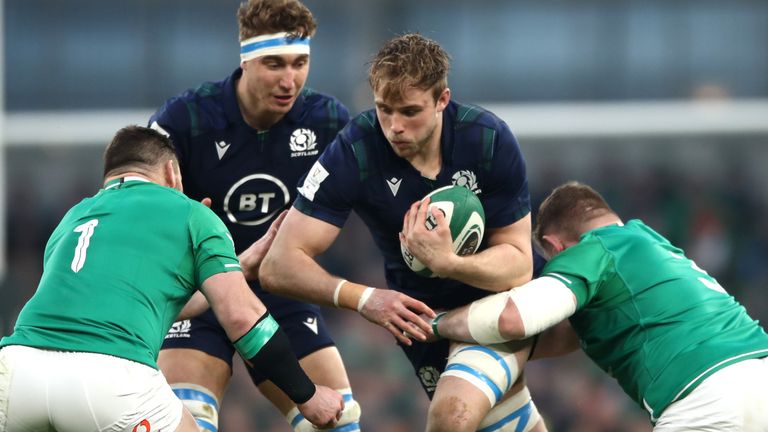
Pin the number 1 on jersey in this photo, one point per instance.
(86, 231)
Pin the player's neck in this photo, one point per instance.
(133, 175)
(601, 221)
(428, 166)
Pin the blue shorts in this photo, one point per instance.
(302, 322)
(428, 361)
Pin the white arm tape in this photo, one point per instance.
(364, 298)
(542, 303)
(483, 318)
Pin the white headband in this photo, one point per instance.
(272, 44)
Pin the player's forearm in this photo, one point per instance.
(267, 349)
(196, 305)
(453, 325)
(482, 321)
(511, 315)
(233, 303)
(297, 275)
(495, 269)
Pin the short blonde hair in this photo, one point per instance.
(407, 61)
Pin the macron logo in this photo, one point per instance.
(311, 322)
(221, 148)
(394, 185)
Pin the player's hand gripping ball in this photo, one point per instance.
(466, 219)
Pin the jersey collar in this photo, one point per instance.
(115, 183)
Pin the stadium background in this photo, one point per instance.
(661, 105)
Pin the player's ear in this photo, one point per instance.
(172, 175)
(553, 244)
(443, 99)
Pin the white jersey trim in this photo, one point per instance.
(698, 377)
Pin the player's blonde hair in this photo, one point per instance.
(409, 61)
(567, 210)
(261, 17)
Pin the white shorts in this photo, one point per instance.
(734, 398)
(42, 390)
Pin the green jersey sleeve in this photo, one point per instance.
(580, 268)
(214, 250)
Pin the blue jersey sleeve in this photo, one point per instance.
(330, 188)
(507, 199)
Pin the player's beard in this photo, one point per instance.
(423, 143)
(416, 147)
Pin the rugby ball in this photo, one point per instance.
(466, 219)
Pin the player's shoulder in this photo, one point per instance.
(362, 126)
(319, 111)
(178, 203)
(466, 115)
(202, 107)
(321, 103)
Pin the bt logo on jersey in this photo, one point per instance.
(254, 199)
(249, 202)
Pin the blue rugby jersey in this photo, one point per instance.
(250, 175)
(359, 171)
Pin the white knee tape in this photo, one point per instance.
(492, 369)
(201, 403)
(517, 413)
(349, 421)
(483, 318)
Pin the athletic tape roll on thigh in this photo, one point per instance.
(349, 421)
(201, 403)
(492, 369)
(518, 413)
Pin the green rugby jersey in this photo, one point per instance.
(119, 268)
(650, 317)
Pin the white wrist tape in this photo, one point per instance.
(483, 318)
(337, 291)
(364, 298)
(542, 303)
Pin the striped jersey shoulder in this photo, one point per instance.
(468, 115)
(322, 110)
